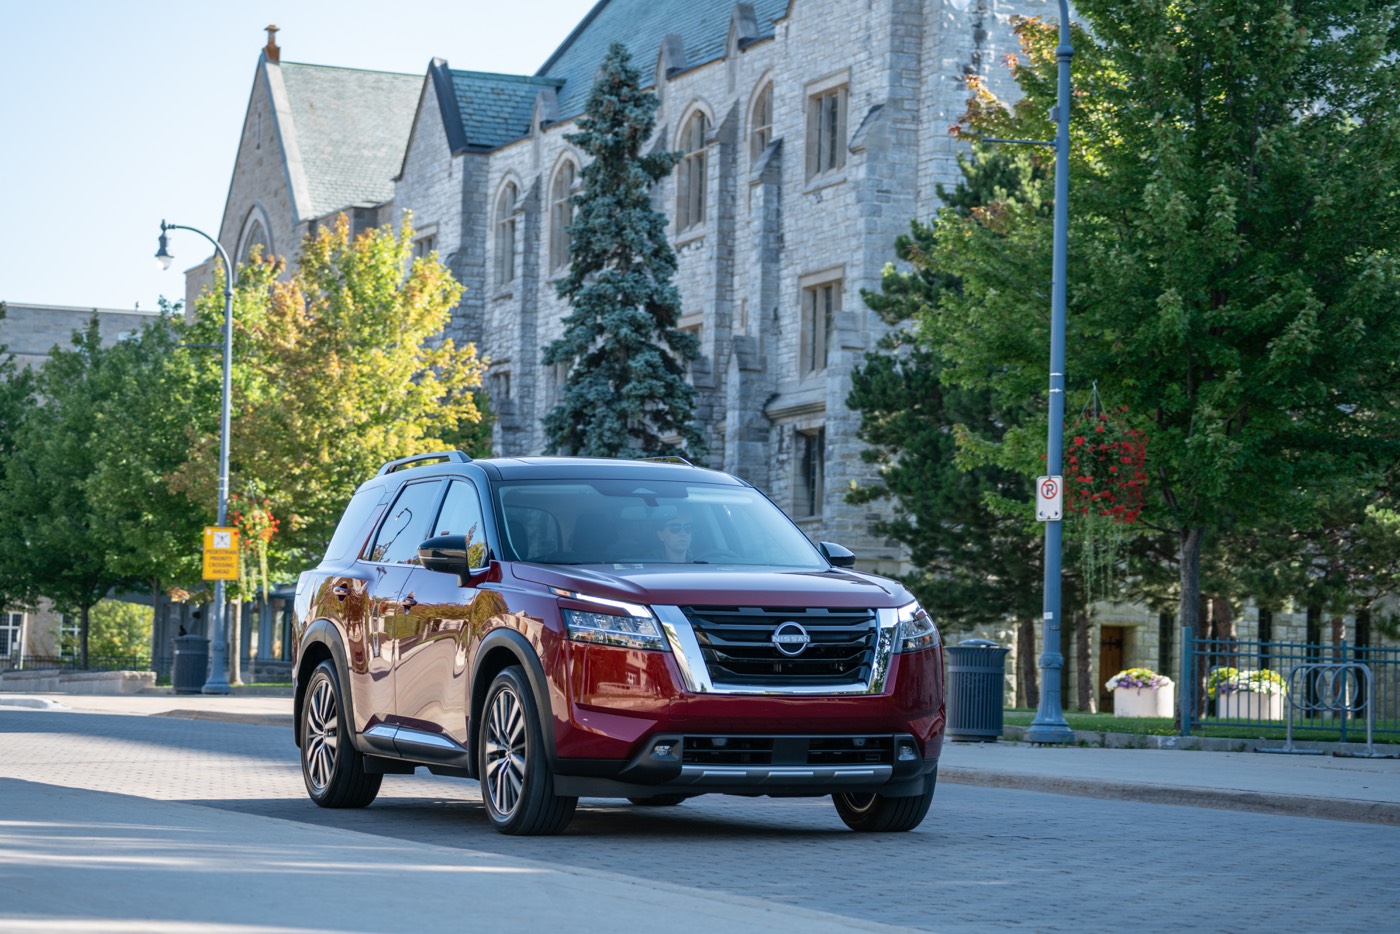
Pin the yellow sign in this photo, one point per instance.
(220, 553)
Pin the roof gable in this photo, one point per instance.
(491, 110)
(351, 127)
(702, 25)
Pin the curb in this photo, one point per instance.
(1370, 812)
(1204, 743)
(35, 703)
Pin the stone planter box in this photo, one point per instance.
(1145, 702)
(1249, 705)
(52, 681)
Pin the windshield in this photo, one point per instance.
(627, 522)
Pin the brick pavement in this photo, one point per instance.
(986, 857)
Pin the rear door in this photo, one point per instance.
(430, 676)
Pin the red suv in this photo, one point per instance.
(561, 627)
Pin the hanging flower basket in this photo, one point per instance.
(1105, 486)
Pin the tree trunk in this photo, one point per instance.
(1190, 570)
(1027, 665)
(1084, 670)
(84, 619)
(235, 642)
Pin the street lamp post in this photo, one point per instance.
(1049, 725)
(218, 663)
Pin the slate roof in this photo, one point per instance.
(495, 109)
(703, 26)
(351, 128)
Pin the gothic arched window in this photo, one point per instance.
(561, 214)
(690, 175)
(505, 235)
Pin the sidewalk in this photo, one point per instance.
(1313, 786)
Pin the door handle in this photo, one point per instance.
(409, 603)
(341, 591)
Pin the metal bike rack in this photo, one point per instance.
(1336, 688)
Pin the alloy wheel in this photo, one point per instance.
(322, 735)
(505, 752)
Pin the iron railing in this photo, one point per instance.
(73, 663)
(1312, 711)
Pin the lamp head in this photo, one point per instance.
(163, 255)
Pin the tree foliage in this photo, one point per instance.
(625, 393)
(336, 371)
(1232, 277)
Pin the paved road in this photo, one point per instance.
(987, 858)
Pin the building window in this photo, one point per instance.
(11, 632)
(690, 176)
(561, 215)
(761, 122)
(257, 237)
(826, 130)
(424, 247)
(505, 235)
(810, 482)
(820, 303)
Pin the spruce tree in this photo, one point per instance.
(625, 392)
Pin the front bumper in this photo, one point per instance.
(777, 765)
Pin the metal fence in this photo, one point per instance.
(1313, 697)
(73, 663)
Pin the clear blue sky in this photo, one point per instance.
(118, 113)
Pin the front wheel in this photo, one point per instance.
(516, 785)
(331, 766)
(874, 813)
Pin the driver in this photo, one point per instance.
(675, 534)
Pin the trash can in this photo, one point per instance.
(976, 682)
(191, 668)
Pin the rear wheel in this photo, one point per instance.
(874, 813)
(331, 766)
(516, 784)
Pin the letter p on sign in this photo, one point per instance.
(1049, 499)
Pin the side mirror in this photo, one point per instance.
(838, 555)
(451, 554)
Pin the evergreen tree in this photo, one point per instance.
(626, 391)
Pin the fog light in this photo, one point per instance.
(719, 742)
(907, 752)
(661, 750)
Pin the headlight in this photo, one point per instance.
(916, 630)
(631, 632)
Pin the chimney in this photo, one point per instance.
(273, 53)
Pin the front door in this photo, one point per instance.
(1111, 642)
(431, 678)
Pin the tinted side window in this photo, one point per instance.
(461, 515)
(407, 525)
(352, 531)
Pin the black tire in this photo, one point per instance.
(871, 813)
(658, 801)
(331, 766)
(516, 784)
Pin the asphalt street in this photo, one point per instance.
(115, 822)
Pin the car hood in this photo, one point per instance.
(719, 585)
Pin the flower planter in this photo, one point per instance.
(1249, 705)
(1144, 702)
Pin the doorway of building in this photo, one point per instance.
(1111, 642)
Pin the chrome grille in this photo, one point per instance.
(737, 645)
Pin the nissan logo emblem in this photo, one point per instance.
(791, 639)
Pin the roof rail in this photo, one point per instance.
(413, 460)
(667, 459)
